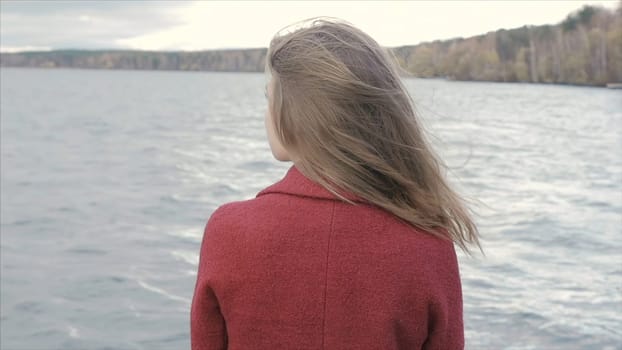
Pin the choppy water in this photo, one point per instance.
(108, 177)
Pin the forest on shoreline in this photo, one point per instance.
(583, 49)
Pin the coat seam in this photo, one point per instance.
(330, 234)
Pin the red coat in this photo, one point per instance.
(296, 268)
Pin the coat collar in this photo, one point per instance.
(297, 184)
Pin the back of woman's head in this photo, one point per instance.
(341, 111)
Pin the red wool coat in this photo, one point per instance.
(296, 268)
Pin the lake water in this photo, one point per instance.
(108, 178)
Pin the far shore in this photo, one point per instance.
(607, 86)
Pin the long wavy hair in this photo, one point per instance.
(340, 108)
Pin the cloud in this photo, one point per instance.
(235, 24)
(201, 25)
(213, 24)
(82, 24)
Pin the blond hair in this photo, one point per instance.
(340, 107)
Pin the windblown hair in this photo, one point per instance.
(340, 108)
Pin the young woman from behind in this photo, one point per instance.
(354, 247)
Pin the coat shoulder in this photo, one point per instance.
(229, 214)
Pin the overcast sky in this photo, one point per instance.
(201, 25)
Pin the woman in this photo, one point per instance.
(354, 247)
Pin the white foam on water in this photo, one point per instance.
(73, 332)
(193, 234)
(132, 307)
(161, 291)
(191, 258)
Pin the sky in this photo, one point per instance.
(204, 25)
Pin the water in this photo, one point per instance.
(108, 178)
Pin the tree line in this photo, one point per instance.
(242, 60)
(584, 49)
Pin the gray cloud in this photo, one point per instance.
(82, 24)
